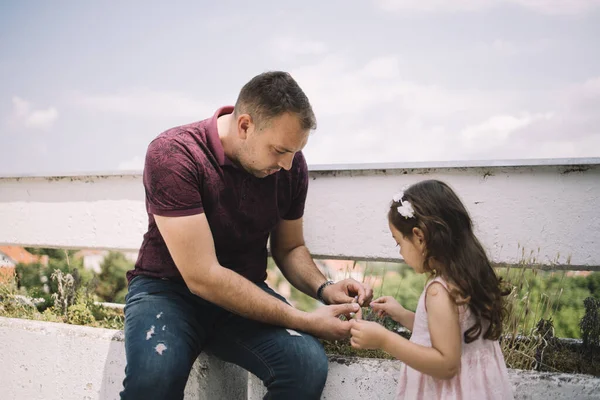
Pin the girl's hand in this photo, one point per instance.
(366, 334)
(387, 305)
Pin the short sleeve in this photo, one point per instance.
(299, 188)
(172, 179)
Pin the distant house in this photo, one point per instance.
(10, 256)
(338, 270)
(92, 258)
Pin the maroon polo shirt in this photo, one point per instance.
(186, 172)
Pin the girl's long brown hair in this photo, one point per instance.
(458, 254)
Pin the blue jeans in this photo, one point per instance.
(166, 328)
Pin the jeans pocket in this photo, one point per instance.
(142, 286)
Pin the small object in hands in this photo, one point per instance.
(354, 300)
(320, 291)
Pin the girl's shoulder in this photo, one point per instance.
(448, 285)
(454, 292)
(438, 279)
(432, 290)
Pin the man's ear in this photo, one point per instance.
(244, 126)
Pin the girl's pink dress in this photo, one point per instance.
(482, 375)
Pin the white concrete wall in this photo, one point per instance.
(43, 360)
(50, 361)
(359, 379)
(550, 207)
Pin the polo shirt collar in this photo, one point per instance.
(214, 141)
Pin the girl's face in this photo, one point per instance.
(412, 250)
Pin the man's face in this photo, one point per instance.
(270, 146)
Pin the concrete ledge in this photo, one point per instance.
(350, 378)
(361, 378)
(530, 385)
(44, 360)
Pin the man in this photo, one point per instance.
(216, 190)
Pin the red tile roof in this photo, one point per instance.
(20, 255)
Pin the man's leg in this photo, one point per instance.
(292, 365)
(163, 338)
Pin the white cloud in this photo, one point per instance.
(24, 115)
(385, 139)
(287, 46)
(571, 130)
(337, 86)
(134, 164)
(42, 118)
(576, 113)
(507, 48)
(20, 107)
(559, 6)
(496, 130)
(144, 103)
(504, 47)
(434, 5)
(382, 68)
(371, 112)
(588, 91)
(552, 7)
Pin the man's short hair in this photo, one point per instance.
(272, 94)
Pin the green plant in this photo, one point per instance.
(65, 294)
(590, 324)
(528, 313)
(35, 280)
(80, 314)
(73, 300)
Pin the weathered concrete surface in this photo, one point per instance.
(549, 207)
(350, 379)
(360, 378)
(43, 360)
(47, 361)
(548, 386)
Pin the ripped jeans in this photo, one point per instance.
(166, 328)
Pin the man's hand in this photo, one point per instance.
(325, 322)
(367, 334)
(345, 292)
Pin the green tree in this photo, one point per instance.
(593, 284)
(112, 282)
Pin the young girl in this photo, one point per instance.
(453, 352)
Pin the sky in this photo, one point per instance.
(85, 86)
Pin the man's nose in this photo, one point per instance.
(286, 161)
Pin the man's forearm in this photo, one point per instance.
(235, 293)
(300, 270)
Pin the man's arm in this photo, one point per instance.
(295, 262)
(293, 258)
(191, 246)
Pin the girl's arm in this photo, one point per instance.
(407, 319)
(442, 360)
(387, 305)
